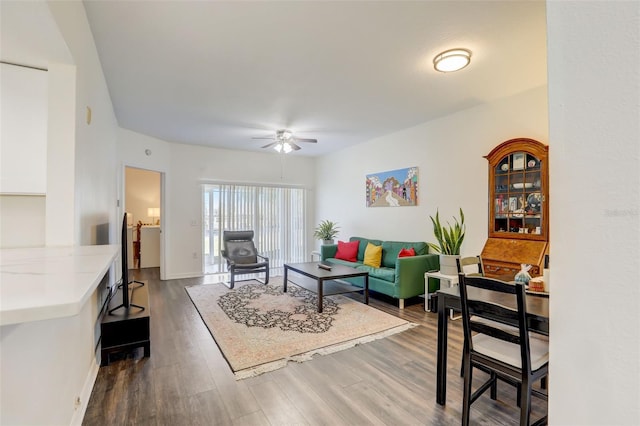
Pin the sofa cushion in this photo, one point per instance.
(391, 249)
(387, 274)
(343, 262)
(363, 245)
(373, 255)
(407, 252)
(347, 251)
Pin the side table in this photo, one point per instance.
(450, 279)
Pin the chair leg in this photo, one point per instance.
(464, 350)
(525, 402)
(466, 400)
(494, 386)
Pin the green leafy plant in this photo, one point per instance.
(449, 237)
(326, 230)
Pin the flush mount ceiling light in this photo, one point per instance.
(452, 60)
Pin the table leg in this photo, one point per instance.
(319, 296)
(441, 371)
(366, 289)
(285, 278)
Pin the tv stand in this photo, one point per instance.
(125, 328)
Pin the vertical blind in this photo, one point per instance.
(275, 214)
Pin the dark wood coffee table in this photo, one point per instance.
(326, 280)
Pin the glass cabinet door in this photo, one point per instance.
(518, 177)
(518, 200)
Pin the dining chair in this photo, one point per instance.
(513, 357)
(475, 264)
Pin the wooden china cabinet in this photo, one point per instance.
(518, 207)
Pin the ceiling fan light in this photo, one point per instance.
(452, 60)
(278, 147)
(287, 148)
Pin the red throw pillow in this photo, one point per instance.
(348, 251)
(407, 252)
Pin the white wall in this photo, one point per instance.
(452, 172)
(22, 220)
(95, 143)
(61, 156)
(594, 94)
(186, 168)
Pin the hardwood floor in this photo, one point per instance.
(187, 381)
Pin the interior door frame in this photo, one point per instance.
(163, 207)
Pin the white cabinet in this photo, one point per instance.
(149, 246)
(23, 134)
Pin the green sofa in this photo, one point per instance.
(400, 278)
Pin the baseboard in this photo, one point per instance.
(85, 395)
(184, 275)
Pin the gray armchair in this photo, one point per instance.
(242, 257)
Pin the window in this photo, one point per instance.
(275, 214)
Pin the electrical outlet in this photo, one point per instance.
(77, 402)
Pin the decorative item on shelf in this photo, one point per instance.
(534, 202)
(523, 276)
(536, 284)
(326, 231)
(504, 167)
(450, 240)
(154, 213)
(518, 161)
(521, 185)
(531, 164)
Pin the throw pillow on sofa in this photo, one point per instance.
(373, 255)
(347, 251)
(407, 252)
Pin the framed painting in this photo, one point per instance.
(395, 188)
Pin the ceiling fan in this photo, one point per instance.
(284, 141)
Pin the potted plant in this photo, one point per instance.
(450, 239)
(326, 231)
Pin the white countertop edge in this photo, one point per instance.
(60, 310)
(19, 316)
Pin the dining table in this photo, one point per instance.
(449, 298)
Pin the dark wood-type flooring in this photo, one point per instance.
(187, 381)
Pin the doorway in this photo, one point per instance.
(143, 204)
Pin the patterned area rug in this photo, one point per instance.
(260, 328)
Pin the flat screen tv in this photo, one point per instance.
(125, 286)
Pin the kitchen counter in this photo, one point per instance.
(50, 282)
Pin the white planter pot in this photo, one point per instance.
(327, 242)
(448, 265)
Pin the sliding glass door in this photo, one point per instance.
(276, 215)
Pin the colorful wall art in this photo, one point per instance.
(394, 188)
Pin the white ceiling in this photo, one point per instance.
(218, 73)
